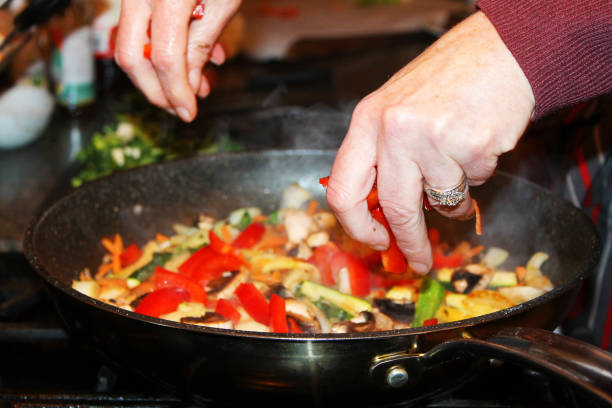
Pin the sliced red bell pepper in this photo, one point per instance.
(359, 274)
(443, 261)
(294, 327)
(278, 315)
(372, 198)
(222, 247)
(164, 279)
(254, 302)
(226, 309)
(193, 262)
(214, 267)
(434, 236)
(324, 181)
(393, 259)
(198, 10)
(430, 322)
(380, 281)
(250, 236)
(162, 301)
(321, 258)
(130, 255)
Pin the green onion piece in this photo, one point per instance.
(144, 273)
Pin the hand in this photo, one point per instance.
(453, 110)
(180, 48)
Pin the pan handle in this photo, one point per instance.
(584, 365)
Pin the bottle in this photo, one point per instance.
(72, 59)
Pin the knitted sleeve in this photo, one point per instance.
(564, 47)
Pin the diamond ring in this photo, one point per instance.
(450, 197)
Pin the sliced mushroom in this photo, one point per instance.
(317, 239)
(226, 288)
(398, 311)
(364, 322)
(325, 219)
(279, 290)
(209, 319)
(303, 315)
(205, 222)
(472, 277)
(383, 322)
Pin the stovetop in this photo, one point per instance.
(41, 366)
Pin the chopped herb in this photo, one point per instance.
(245, 220)
(273, 218)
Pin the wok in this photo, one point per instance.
(232, 367)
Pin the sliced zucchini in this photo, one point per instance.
(351, 304)
(503, 279)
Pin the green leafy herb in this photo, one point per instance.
(245, 220)
(273, 218)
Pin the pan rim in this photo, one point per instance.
(29, 250)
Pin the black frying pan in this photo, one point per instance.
(234, 367)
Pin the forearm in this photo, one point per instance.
(564, 47)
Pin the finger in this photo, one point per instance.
(352, 177)
(203, 36)
(400, 192)
(169, 31)
(131, 39)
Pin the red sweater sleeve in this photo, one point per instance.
(564, 47)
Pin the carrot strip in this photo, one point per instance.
(260, 218)
(103, 270)
(272, 241)
(478, 218)
(109, 245)
(312, 207)
(161, 238)
(473, 252)
(521, 272)
(226, 234)
(117, 254)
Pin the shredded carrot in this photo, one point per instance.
(312, 207)
(260, 218)
(226, 234)
(473, 252)
(103, 270)
(118, 249)
(478, 218)
(161, 238)
(109, 245)
(521, 271)
(272, 241)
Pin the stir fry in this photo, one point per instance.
(295, 270)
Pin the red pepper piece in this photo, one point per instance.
(162, 301)
(372, 198)
(192, 263)
(250, 236)
(434, 236)
(324, 181)
(214, 267)
(226, 309)
(430, 322)
(380, 281)
(164, 279)
(254, 302)
(130, 255)
(198, 11)
(146, 52)
(393, 259)
(359, 275)
(278, 315)
(321, 258)
(294, 327)
(443, 261)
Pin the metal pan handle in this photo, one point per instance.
(584, 365)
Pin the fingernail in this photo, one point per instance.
(171, 111)
(183, 114)
(419, 267)
(379, 247)
(195, 76)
